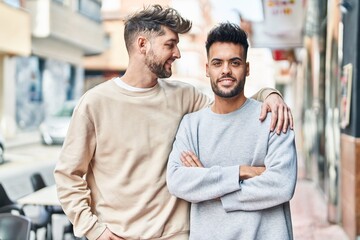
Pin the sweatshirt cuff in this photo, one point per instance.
(265, 92)
(95, 232)
(229, 181)
(230, 202)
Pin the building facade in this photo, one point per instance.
(15, 40)
(330, 109)
(62, 33)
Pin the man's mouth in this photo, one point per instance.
(227, 81)
(169, 63)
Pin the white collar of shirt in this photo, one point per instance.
(126, 86)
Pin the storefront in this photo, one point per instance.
(41, 58)
(15, 40)
(350, 119)
(42, 86)
(330, 114)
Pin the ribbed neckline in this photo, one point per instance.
(152, 91)
(218, 115)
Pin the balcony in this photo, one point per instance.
(75, 24)
(15, 35)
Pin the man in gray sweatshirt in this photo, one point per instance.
(218, 158)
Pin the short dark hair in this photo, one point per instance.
(227, 32)
(151, 19)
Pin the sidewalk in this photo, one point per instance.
(23, 138)
(309, 213)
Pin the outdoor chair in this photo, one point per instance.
(37, 182)
(39, 220)
(7, 205)
(14, 227)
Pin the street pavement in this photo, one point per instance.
(309, 212)
(26, 155)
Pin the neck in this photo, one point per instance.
(227, 105)
(137, 75)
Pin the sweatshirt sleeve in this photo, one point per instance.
(263, 93)
(73, 192)
(274, 186)
(195, 184)
(198, 101)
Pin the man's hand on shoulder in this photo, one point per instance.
(281, 117)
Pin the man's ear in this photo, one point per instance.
(207, 70)
(141, 44)
(247, 69)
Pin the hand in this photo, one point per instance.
(246, 172)
(108, 235)
(281, 116)
(189, 159)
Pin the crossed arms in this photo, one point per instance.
(244, 188)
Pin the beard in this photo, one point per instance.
(156, 66)
(236, 90)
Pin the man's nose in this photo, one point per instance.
(226, 69)
(176, 53)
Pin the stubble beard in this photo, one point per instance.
(238, 88)
(156, 66)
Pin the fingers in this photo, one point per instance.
(195, 159)
(285, 119)
(108, 235)
(189, 159)
(264, 110)
(274, 118)
(280, 120)
(184, 160)
(281, 117)
(246, 172)
(256, 171)
(259, 170)
(116, 238)
(291, 120)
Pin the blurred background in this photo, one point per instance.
(52, 51)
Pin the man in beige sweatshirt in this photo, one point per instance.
(110, 175)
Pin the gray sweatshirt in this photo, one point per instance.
(224, 208)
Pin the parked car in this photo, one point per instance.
(54, 128)
(2, 148)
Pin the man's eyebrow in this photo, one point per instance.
(231, 59)
(216, 59)
(236, 58)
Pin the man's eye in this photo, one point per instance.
(216, 63)
(236, 63)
